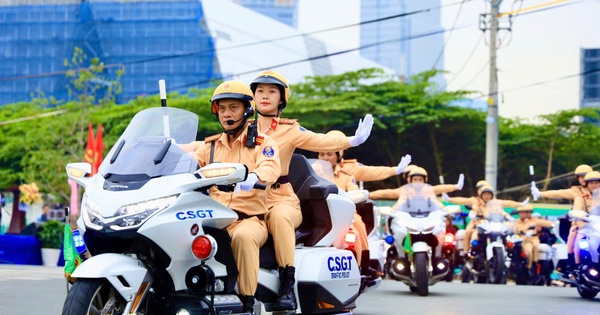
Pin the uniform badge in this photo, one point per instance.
(302, 128)
(354, 181)
(268, 151)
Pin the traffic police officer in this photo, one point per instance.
(272, 92)
(569, 193)
(584, 202)
(527, 227)
(394, 193)
(232, 104)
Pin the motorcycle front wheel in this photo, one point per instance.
(93, 296)
(421, 273)
(586, 294)
(496, 267)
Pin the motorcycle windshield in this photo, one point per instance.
(148, 147)
(323, 169)
(418, 200)
(595, 209)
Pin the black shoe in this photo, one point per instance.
(287, 298)
(248, 303)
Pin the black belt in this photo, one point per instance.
(280, 181)
(283, 180)
(242, 216)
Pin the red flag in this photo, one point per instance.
(99, 150)
(90, 148)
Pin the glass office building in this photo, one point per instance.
(590, 80)
(189, 43)
(284, 11)
(408, 44)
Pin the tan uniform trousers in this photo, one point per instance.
(531, 248)
(283, 218)
(362, 242)
(247, 236)
(469, 235)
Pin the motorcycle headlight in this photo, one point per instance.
(133, 215)
(496, 226)
(91, 214)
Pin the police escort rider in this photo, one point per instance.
(272, 92)
(232, 104)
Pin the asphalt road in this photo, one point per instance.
(42, 290)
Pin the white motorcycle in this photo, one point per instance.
(418, 231)
(374, 258)
(159, 242)
(588, 243)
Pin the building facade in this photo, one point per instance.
(189, 43)
(590, 80)
(407, 44)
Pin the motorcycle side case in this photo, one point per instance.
(326, 275)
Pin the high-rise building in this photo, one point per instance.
(189, 43)
(407, 44)
(284, 11)
(590, 82)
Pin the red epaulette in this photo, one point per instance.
(212, 138)
(260, 140)
(287, 121)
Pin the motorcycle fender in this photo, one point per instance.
(490, 249)
(420, 247)
(125, 274)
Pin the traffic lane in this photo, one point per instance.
(31, 290)
(394, 297)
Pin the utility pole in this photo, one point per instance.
(491, 146)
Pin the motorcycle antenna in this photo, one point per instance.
(163, 102)
(532, 178)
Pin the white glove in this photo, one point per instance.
(526, 201)
(461, 181)
(472, 215)
(535, 192)
(404, 161)
(529, 233)
(510, 219)
(363, 131)
(445, 197)
(248, 184)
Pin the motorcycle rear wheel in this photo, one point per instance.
(421, 273)
(93, 296)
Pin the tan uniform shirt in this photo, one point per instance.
(394, 193)
(481, 208)
(367, 173)
(523, 225)
(263, 160)
(583, 201)
(344, 180)
(570, 193)
(289, 135)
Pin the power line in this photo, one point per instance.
(202, 51)
(317, 57)
(467, 60)
(449, 36)
(524, 186)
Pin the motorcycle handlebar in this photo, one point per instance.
(260, 186)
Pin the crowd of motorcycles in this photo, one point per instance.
(158, 243)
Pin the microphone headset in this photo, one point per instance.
(249, 112)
